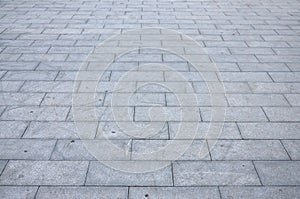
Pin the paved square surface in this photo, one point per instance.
(60, 110)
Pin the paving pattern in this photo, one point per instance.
(255, 45)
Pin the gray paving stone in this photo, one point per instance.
(2, 165)
(234, 114)
(18, 65)
(135, 99)
(146, 150)
(251, 51)
(17, 192)
(260, 192)
(294, 66)
(256, 100)
(58, 66)
(34, 113)
(66, 99)
(10, 86)
(247, 150)
(89, 192)
(29, 75)
(223, 131)
(19, 99)
(43, 44)
(77, 150)
(285, 76)
(234, 58)
(228, 87)
(205, 173)
(83, 75)
(294, 99)
(293, 148)
(26, 50)
(43, 57)
(89, 86)
(2, 73)
(48, 86)
(137, 76)
(263, 67)
(190, 76)
(165, 114)
(178, 87)
(173, 192)
(52, 130)
(258, 87)
(245, 77)
(114, 131)
(44, 173)
(100, 174)
(12, 129)
(269, 130)
(26, 149)
(278, 172)
(283, 113)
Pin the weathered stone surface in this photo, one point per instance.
(259, 192)
(204, 173)
(7, 192)
(278, 172)
(173, 192)
(82, 192)
(31, 149)
(99, 174)
(293, 148)
(247, 55)
(44, 173)
(247, 150)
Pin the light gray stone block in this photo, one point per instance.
(174, 192)
(135, 99)
(233, 114)
(44, 173)
(48, 86)
(205, 173)
(99, 174)
(258, 87)
(270, 130)
(69, 99)
(263, 67)
(294, 99)
(2, 165)
(79, 149)
(277, 192)
(293, 148)
(19, 99)
(157, 150)
(32, 149)
(10, 86)
(17, 192)
(286, 114)
(30, 75)
(207, 130)
(245, 77)
(53, 130)
(12, 129)
(161, 114)
(247, 150)
(256, 100)
(192, 99)
(285, 76)
(35, 113)
(278, 172)
(115, 131)
(89, 192)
